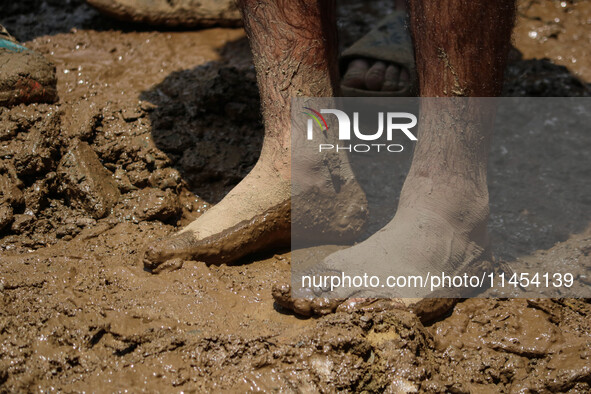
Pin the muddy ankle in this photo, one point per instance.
(268, 229)
(257, 216)
(463, 202)
(324, 216)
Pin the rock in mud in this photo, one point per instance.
(22, 223)
(36, 151)
(10, 194)
(85, 182)
(150, 204)
(131, 114)
(70, 229)
(123, 181)
(6, 215)
(165, 178)
(81, 119)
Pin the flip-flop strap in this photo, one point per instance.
(389, 41)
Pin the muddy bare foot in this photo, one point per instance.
(435, 232)
(252, 217)
(256, 216)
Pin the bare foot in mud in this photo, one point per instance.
(437, 228)
(256, 214)
(440, 224)
(253, 216)
(441, 219)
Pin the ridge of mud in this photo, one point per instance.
(65, 166)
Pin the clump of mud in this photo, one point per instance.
(64, 168)
(59, 178)
(30, 150)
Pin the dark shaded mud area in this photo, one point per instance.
(151, 128)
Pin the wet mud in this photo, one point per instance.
(151, 128)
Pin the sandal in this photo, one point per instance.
(389, 42)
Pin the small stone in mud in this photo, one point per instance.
(81, 222)
(123, 181)
(147, 106)
(131, 114)
(150, 204)
(170, 265)
(67, 229)
(9, 192)
(35, 152)
(22, 222)
(165, 178)
(85, 182)
(6, 215)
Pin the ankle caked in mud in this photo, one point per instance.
(270, 229)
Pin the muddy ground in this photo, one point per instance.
(154, 126)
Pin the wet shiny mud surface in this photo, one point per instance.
(153, 127)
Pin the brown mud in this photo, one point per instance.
(153, 127)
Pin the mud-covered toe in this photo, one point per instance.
(25, 75)
(172, 13)
(426, 309)
(389, 42)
